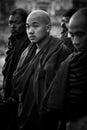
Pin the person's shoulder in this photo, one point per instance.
(55, 38)
(56, 41)
(67, 43)
(24, 53)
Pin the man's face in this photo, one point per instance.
(16, 24)
(78, 32)
(36, 29)
(64, 23)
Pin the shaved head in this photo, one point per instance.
(38, 26)
(79, 18)
(78, 29)
(39, 15)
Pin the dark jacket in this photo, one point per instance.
(16, 46)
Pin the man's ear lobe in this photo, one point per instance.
(48, 27)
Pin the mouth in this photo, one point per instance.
(12, 30)
(32, 37)
(77, 45)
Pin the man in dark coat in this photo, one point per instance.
(45, 51)
(18, 41)
(67, 95)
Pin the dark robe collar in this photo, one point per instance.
(13, 40)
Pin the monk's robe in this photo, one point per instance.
(47, 69)
(43, 77)
(67, 95)
(67, 41)
(16, 46)
(23, 81)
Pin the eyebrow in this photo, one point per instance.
(34, 23)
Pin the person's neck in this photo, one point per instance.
(42, 43)
(18, 36)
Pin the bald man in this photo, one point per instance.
(38, 27)
(36, 69)
(68, 91)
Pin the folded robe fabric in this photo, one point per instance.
(12, 58)
(63, 87)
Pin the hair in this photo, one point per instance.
(22, 12)
(69, 13)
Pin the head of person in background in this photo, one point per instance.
(65, 20)
(78, 29)
(17, 21)
(38, 25)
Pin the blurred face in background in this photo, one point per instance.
(16, 24)
(78, 31)
(64, 23)
(37, 27)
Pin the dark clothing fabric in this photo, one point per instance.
(76, 94)
(54, 97)
(68, 92)
(8, 115)
(47, 70)
(67, 41)
(24, 81)
(16, 46)
(80, 124)
(44, 76)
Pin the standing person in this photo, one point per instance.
(68, 92)
(32, 63)
(64, 28)
(17, 42)
(65, 21)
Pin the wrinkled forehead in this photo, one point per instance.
(39, 17)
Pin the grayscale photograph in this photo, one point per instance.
(43, 64)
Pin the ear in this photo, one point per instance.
(48, 27)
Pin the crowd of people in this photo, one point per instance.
(44, 84)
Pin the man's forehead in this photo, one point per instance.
(78, 22)
(16, 16)
(34, 18)
(38, 16)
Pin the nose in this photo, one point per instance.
(30, 30)
(12, 25)
(75, 40)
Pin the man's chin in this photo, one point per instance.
(13, 33)
(33, 41)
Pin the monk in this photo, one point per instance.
(67, 94)
(17, 42)
(31, 78)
